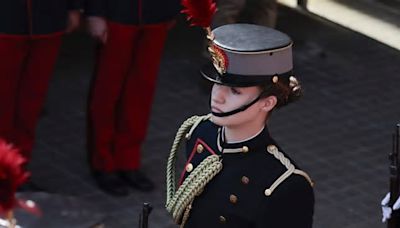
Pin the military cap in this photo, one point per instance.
(246, 55)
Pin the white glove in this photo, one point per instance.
(386, 210)
(97, 27)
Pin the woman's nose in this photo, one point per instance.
(218, 94)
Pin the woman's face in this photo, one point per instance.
(226, 99)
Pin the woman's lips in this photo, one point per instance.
(216, 110)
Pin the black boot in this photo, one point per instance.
(111, 183)
(137, 180)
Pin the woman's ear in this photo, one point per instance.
(268, 103)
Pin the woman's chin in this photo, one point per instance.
(221, 121)
(215, 119)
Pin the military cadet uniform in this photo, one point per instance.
(30, 37)
(251, 183)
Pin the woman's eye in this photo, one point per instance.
(235, 91)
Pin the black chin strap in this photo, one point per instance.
(241, 109)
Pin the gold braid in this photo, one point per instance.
(171, 182)
(186, 215)
(194, 185)
(272, 149)
(179, 202)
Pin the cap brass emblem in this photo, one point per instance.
(220, 60)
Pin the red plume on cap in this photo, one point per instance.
(11, 176)
(199, 12)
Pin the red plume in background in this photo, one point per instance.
(12, 176)
(199, 12)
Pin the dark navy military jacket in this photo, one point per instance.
(235, 197)
(134, 12)
(36, 17)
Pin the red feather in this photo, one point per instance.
(199, 12)
(11, 176)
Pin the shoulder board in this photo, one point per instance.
(272, 149)
(194, 121)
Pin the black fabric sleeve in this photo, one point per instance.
(290, 205)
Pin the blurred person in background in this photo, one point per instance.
(261, 12)
(131, 37)
(30, 37)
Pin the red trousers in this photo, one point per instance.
(26, 65)
(122, 95)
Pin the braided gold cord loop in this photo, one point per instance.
(286, 162)
(194, 190)
(171, 185)
(289, 166)
(178, 202)
(193, 185)
(188, 180)
(186, 215)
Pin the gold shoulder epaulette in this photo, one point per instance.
(272, 149)
(194, 121)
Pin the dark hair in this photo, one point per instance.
(285, 89)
